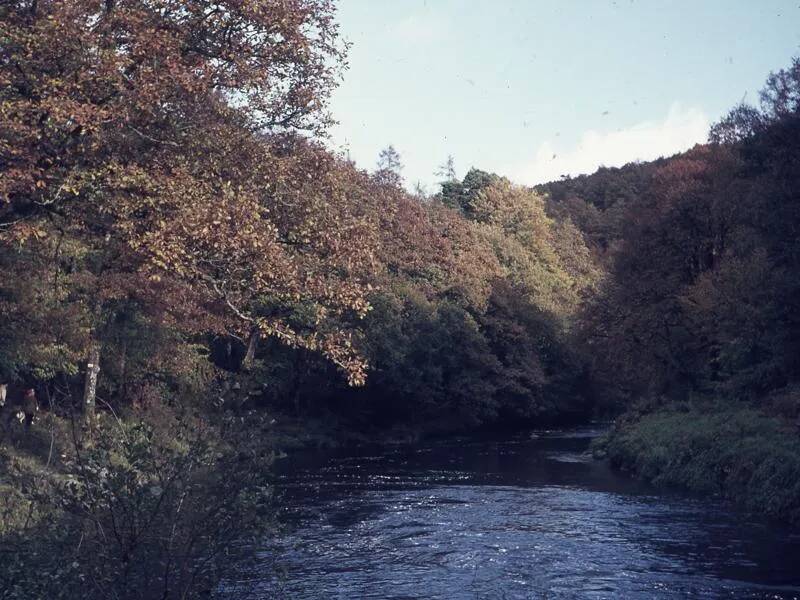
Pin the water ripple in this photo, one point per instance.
(526, 518)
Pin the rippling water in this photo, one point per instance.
(532, 517)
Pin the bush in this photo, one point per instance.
(737, 452)
(136, 515)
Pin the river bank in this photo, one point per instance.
(733, 451)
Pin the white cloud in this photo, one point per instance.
(680, 130)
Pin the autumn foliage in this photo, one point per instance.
(161, 138)
(178, 242)
(700, 301)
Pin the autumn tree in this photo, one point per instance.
(700, 300)
(156, 140)
(766, 138)
(471, 310)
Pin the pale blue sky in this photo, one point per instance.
(533, 89)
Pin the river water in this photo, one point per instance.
(528, 517)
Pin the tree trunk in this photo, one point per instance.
(297, 380)
(123, 372)
(252, 345)
(90, 384)
(229, 355)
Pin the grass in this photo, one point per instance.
(736, 452)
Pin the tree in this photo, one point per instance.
(549, 262)
(460, 194)
(766, 138)
(155, 140)
(420, 192)
(389, 167)
(447, 170)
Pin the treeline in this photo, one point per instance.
(470, 320)
(183, 260)
(164, 203)
(703, 262)
(694, 335)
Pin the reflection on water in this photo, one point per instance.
(532, 517)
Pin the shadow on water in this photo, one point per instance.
(528, 517)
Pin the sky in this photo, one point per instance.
(535, 89)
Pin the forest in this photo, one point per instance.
(193, 281)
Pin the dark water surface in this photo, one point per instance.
(530, 517)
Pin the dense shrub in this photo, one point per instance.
(734, 451)
(134, 514)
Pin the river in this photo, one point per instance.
(529, 517)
